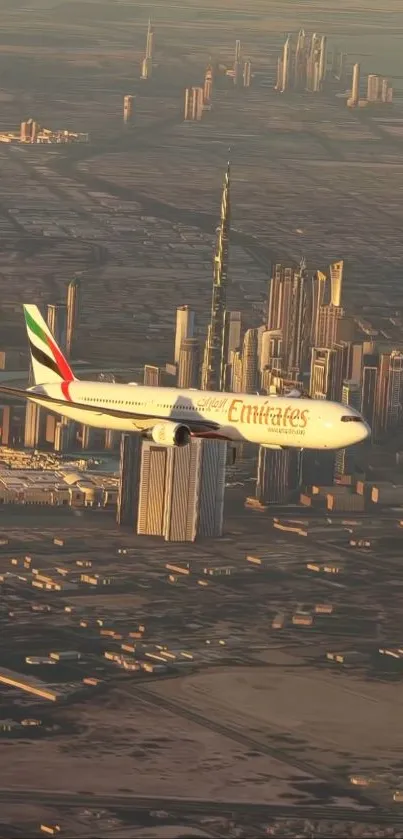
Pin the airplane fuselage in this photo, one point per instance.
(264, 420)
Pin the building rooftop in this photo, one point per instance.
(17, 480)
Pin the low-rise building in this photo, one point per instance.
(65, 655)
(47, 482)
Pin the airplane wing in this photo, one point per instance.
(140, 421)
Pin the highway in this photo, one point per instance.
(195, 806)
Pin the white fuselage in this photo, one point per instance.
(265, 420)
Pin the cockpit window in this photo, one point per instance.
(350, 418)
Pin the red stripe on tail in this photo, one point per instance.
(64, 368)
(65, 390)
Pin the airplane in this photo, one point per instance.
(172, 416)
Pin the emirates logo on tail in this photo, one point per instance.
(44, 349)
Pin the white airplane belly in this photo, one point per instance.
(262, 435)
(231, 432)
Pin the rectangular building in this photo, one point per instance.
(57, 323)
(152, 376)
(152, 489)
(277, 475)
(29, 684)
(182, 490)
(194, 100)
(128, 109)
(128, 498)
(35, 419)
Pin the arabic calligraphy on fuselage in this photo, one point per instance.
(268, 413)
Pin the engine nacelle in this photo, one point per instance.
(170, 434)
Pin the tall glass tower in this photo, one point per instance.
(214, 365)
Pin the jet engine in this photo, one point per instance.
(170, 434)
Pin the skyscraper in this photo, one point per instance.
(374, 88)
(299, 322)
(194, 103)
(189, 363)
(50, 429)
(152, 489)
(369, 390)
(29, 131)
(279, 76)
(128, 498)
(286, 309)
(57, 323)
(329, 323)
(286, 65)
(274, 319)
(247, 74)
(147, 65)
(112, 439)
(237, 69)
(345, 458)
(305, 67)
(356, 363)
(314, 61)
(185, 325)
(65, 432)
(234, 320)
(395, 391)
(354, 99)
(5, 425)
(336, 282)
(128, 109)
(235, 372)
(338, 64)
(328, 367)
(342, 67)
(386, 91)
(182, 490)
(35, 424)
(351, 395)
(195, 491)
(152, 376)
(322, 60)
(271, 351)
(317, 467)
(24, 132)
(213, 374)
(273, 476)
(300, 62)
(381, 396)
(290, 311)
(250, 362)
(208, 85)
(280, 305)
(261, 330)
(89, 437)
(319, 283)
(320, 373)
(73, 312)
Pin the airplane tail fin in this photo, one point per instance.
(48, 362)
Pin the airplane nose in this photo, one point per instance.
(362, 431)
